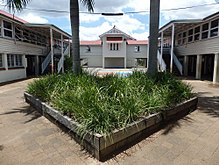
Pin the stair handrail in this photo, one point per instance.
(161, 62)
(84, 61)
(60, 64)
(46, 62)
(177, 63)
(61, 60)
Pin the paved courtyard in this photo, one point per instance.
(26, 137)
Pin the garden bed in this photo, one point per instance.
(103, 146)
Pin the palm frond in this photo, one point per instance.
(16, 4)
(89, 4)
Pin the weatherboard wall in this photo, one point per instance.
(132, 54)
(207, 46)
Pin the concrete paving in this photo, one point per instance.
(26, 137)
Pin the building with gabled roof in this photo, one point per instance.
(115, 49)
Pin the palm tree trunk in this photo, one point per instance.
(74, 17)
(154, 34)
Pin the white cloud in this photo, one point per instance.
(92, 33)
(140, 36)
(126, 23)
(87, 18)
(31, 18)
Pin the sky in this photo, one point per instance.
(134, 24)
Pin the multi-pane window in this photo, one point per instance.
(7, 29)
(214, 28)
(184, 38)
(205, 30)
(14, 60)
(114, 46)
(1, 61)
(190, 35)
(179, 39)
(137, 48)
(18, 33)
(197, 33)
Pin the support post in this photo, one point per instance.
(62, 50)
(172, 48)
(198, 67)
(52, 51)
(185, 65)
(103, 62)
(216, 69)
(161, 51)
(69, 50)
(5, 61)
(37, 65)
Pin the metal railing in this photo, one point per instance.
(161, 62)
(177, 63)
(61, 61)
(46, 62)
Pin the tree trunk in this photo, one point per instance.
(154, 34)
(74, 17)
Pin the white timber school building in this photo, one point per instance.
(192, 47)
(114, 49)
(30, 49)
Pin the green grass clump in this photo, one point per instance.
(101, 105)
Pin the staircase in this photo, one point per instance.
(61, 61)
(46, 62)
(177, 66)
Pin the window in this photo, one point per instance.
(18, 33)
(7, 29)
(205, 31)
(14, 60)
(197, 33)
(190, 35)
(26, 36)
(88, 49)
(214, 28)
(141, 62)
(1, 61)
(114, 46)
(179, 39)
(137, 48)
(184, 38)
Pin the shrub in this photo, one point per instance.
(103, 104)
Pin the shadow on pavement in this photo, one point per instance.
(176, 124)
(27, 111)
(209, 105)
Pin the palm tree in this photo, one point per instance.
(74, 16)
(154, 34)
(75, 24)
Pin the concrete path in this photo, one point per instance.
(26, 137)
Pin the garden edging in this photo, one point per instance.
(102, 146)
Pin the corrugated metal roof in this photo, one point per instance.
(137, 42)
(12, 17)
(96, 42)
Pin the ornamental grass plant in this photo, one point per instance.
(103, 104)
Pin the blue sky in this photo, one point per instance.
(135, 25)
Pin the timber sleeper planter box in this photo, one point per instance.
(103, 147)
